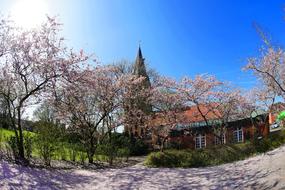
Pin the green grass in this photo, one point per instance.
(62, 151)
(215, 155)
(5, 133)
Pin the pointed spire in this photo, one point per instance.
(139, 67)
(140, 71)
(139, 55)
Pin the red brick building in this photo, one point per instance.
(193, 132)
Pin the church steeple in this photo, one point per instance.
(139, 55)
(140, 102)
(140, 68)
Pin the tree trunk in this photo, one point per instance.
(162, 145)
(90, 158)
(20, 140)
(111, 161)
(91, 151)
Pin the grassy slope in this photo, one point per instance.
(5, 133)
(62, 151)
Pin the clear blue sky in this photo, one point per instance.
(178, 37)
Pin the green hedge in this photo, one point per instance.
(215, 155)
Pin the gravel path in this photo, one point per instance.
(266, 171)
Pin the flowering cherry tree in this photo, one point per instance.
(269, 69)
(31, 63)
(137, 109)
(91, 102)
(167, 104)
(199, 92)
(229, 106)
(215, 102)
(257, 101)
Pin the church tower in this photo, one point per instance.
(136, 128)
(140, 68)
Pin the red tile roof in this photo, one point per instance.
(190, 114)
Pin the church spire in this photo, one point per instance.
(139, 67)
(140, 71)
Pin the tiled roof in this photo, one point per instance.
(191, 117)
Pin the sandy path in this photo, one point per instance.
(265, 171)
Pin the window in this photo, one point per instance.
(200, 141)
(220, 139)
(238, 135)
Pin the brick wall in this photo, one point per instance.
(249, 131)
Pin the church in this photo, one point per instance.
(139, 69)
(193, 132)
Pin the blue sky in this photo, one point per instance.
(178, 37)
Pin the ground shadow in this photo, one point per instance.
(248, 174)
(16, 177)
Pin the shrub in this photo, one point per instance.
(28, 142)
(82, 156)
(114, 146)
(1, 143)
(73, 152)
(46, 140)
(46, 151)
(124, 153)
(262, 145)
(62, 152)
(12, 146)
(199, 158)
(168, 158)
(215, 155)
(108, 150)
(138, 147)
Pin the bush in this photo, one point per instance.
(12, 146)
(72, 154)
(199, 159)
(82, 157)
(2, 147)
(109, 150)
(115, 145)
(124, 153)
(262, 145)
(182, 158)
(46, 151)
(138, 147)
(62, 151)
(28, 143)
(46, 140)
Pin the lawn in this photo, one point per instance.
(7, 133)
(63, 150)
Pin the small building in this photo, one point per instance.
(193, 132)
